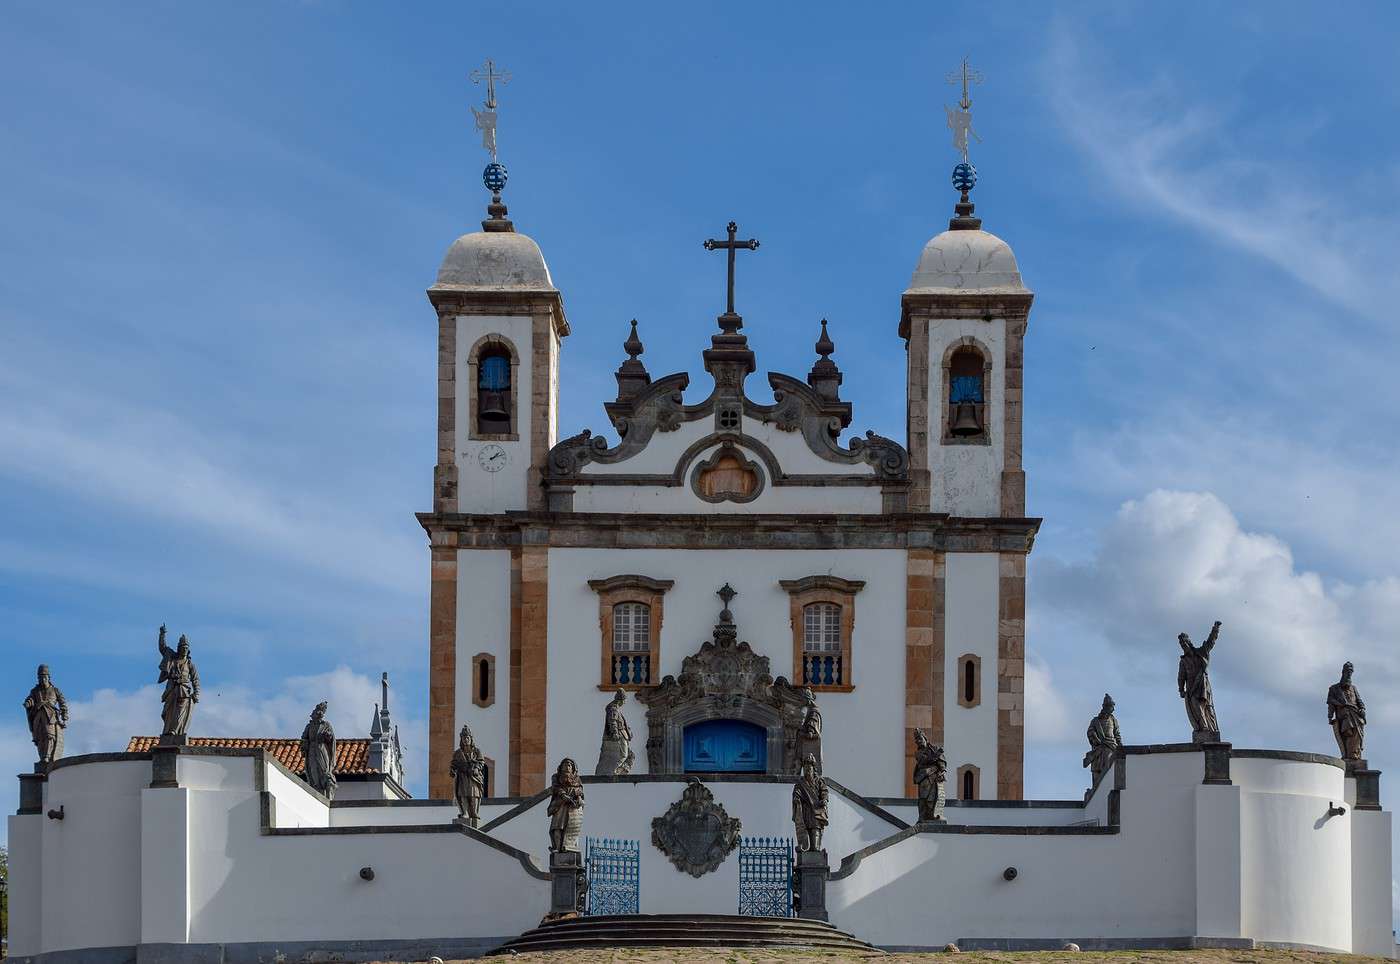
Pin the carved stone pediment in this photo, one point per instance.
(696, 833)
(724, 679)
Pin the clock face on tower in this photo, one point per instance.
(492, 458)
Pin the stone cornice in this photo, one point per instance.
(830, 583)
(630, 581)
(487, 301)
(953, 304)
(935, 531)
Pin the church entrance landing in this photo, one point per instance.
(725, 746)
(725, 713)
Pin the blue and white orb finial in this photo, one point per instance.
(964, 177)
(494, 177)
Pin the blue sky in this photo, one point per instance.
(217, 363)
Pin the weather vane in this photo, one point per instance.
(960, 120)
(486, 119)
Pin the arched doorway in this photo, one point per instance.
(725, 746)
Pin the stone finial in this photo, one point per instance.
(632, 375)
(825, 377)
(726, 593)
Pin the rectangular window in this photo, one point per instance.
(631, 643)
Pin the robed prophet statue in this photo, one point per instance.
(181, 681)
(318, 749)
(1347, 714)
(565, 808)
(809, 806)
(931, 778)
(47, 712)
(809, 734)
(1104, 741)
(615, 757)
(1193, 684)
(468, 769)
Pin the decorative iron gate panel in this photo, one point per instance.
(765, 876)
(613, 875)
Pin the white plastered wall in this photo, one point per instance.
(483, 626)
(478, 489)
(971, 610)
(762, 611)
(966, 479)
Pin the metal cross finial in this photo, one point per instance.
(726, 592)
(486, 118)
(967, 76)
(490, 74)
(731, 245)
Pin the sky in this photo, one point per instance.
(217, 362)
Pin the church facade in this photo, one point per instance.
(887, 576)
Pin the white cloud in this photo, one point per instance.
(1047, 718)
(1181, 159)
(1174, 561)
(110, 717)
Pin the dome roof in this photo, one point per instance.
(967, 261)
(494, 259)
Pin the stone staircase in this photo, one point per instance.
(685, 930)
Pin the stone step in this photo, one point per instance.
(685, 930)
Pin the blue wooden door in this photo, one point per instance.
(725, 746)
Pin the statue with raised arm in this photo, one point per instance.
(1193, 684)
(1347, 714)
(809, 735)
(318, 750)
(468, 769)
(486, 124)
(181, 681)
(47, 712)
(1104, 741)
(565, 808)
(615, 757)
(931, 777)
(809, 806)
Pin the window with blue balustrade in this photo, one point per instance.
(821, 644)
(823, 621)
(631, 644)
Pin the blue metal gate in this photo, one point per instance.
(765, 876)
(613, 875)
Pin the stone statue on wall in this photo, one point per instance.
(565, 808)
(1347, 714)
(809, 734)
(1104, 741)
(181, 681)
(809, 806)
(468, 769)
(1193, 683)
(47, 712)
(615, 758)
(318, 750)
(931, 778)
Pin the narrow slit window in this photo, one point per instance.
(969, 681)
(969, 786)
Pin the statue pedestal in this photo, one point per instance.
(31, 791)
(567, 884)
(173, 739)
(812, 869)
(1217, 763)
(1368, 784)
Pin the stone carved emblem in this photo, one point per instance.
(696, 833)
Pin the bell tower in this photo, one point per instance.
(963, 318)
(500, 325)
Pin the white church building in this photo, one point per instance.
(887, 577)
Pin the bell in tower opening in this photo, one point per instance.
(493, 394)
(966, 400)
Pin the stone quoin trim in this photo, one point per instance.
(1013, 478)
(482, 345)
(975, 773)
(484, 680)
(1011, 676)
(946, 436)
(973, 663)
(923, 653)
(442, 669)
(614, 591)
(445, 471)
(529, 670)
(822, 589)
